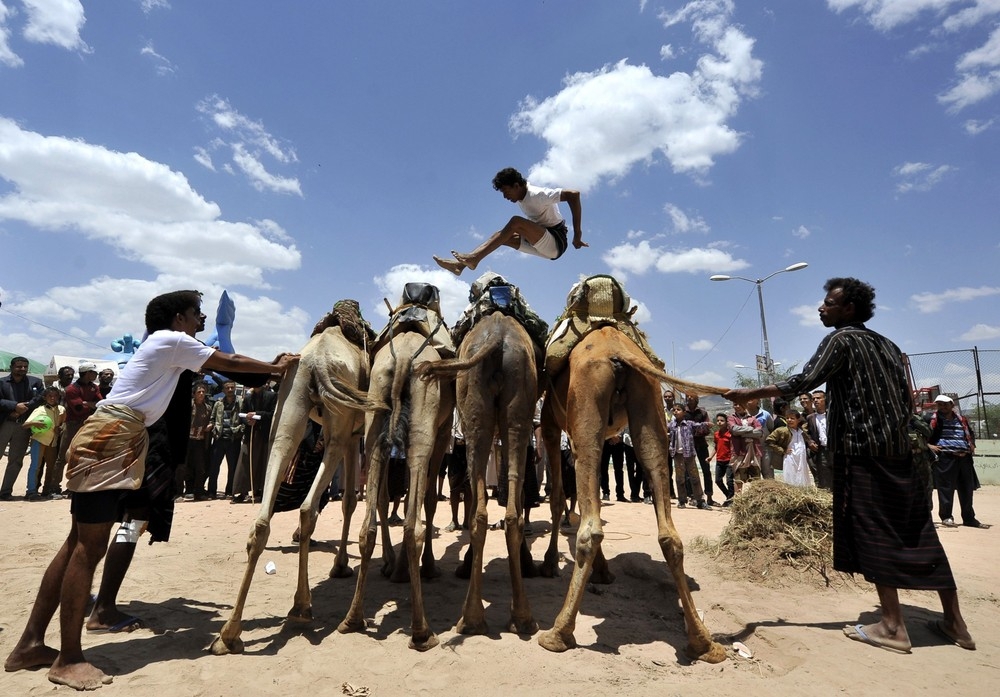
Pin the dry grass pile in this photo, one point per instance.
(777, 530)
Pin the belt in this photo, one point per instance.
(955, 453)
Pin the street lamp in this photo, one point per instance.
(760, 299)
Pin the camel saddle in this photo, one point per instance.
(419, 311)
(593, 303)
(492, 293)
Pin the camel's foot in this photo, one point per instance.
(524, 625)
(351, 625)
(602, 575)
(476, 626)
(464, 570)
(399, 574)
(528, 568)
(300, 613)
(223, 646)
(714, 653)
(424, 642)
(549, 568)
(430, 571)
(553, 641)
(341, 571)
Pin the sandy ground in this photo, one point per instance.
(630, 633)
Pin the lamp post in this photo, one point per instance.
(768, 365)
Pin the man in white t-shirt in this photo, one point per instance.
(140, 396)
(541, 231)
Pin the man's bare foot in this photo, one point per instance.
(448, 265)
(79, 676)
(31, 657)
(466, 260)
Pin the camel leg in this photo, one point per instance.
(521, 621)
(280, 458)
(414, 531)
(341, 567)
(479, 442)
(557, 499)
(585, 426)
(355, 619)
(428, 567)
(308, 514)
(649, 436)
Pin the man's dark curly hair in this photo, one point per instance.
(507, 177)
(857, 292)
(162, 309)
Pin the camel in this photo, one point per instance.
(327, 381)
(608, 382)
(497, 371)
(416, 416)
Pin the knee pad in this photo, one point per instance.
(129, 531)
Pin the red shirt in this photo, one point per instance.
(76, 394)
(723, 446)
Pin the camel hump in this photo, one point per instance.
(594, 302)
(492, 293)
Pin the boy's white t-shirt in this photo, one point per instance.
(148, 380)
(541, 205)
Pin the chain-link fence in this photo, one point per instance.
(969, 376)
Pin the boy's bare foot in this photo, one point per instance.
(448, 265)
(79, 676)
(31, 657)
(466, 260)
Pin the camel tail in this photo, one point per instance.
(399, 410)
(336, 391)
(685, 386)
(447, 369)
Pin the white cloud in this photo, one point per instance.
(639, 258)
(642, 314)
(666, 52)
(980, 332)
(808, 315)
(920, 176)
(162, 64)
(249, 143)
(56, 22)
(977, 72)
(933, 302)
(604, 122)
(974, 126)
(801, 232)
(262, 328)
(454, 292)
(142, 211)
(682, 222)
(701, 345)
(150, 5)
(978, 75)
(7, 55)
(203, 158)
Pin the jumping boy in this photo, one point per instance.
(542, 232)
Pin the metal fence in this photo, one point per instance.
(969, 376)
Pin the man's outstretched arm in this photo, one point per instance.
(572, 198)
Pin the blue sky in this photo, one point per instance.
(298, 153)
